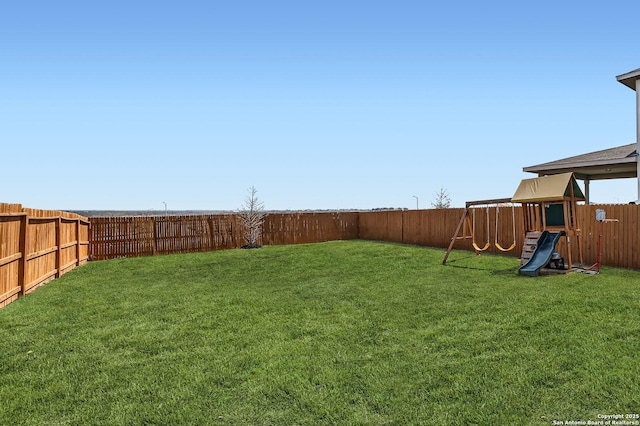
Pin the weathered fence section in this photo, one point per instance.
(37, 246)
(113, 237)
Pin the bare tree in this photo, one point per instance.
(252, 218)
(442, 201)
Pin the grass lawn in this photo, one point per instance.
(349, 332)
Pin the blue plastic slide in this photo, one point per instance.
(542, 254)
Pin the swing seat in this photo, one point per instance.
(499, 247)
(477, 248)
(513, 224)
(472, 226)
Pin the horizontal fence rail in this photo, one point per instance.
(37, 246)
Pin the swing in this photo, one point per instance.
(513, 223)
(465, 222)
(473, 239)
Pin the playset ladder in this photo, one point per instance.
(530, 244)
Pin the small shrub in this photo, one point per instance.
(252, 219)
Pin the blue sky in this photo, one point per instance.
(319, 105)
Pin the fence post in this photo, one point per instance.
(212, 245)
(58, 245)
(22, 265)
(78, 241)
(91, 247)
(155, 236)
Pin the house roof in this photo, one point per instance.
(548, 188)
(629, 79)
(612, 163)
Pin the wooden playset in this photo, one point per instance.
(549, 206)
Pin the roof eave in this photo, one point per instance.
(573, 166)
(629, 79)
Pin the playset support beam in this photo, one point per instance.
(464, 217)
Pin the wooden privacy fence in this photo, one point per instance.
(302, 228)
(37, 246)
(435, 228)
(112, 237)
(141, 236)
